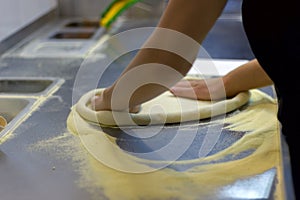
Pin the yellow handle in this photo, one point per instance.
(114, 10)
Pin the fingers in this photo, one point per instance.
(192, 89)
(186, 83)
(96, 102)
(135, 109)
(187, 92)
(186, 89)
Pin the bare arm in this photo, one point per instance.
(161, 66)
(243, 78)
(248, 76)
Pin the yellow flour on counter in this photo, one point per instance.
(203, 179)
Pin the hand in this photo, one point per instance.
(204, 89)
(101, 102)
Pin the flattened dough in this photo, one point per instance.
(163, 109)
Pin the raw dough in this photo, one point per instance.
(165, 108)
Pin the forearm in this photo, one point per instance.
(246, 77)
(150, 73)
(192, 19)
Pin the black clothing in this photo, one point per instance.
(272, 28)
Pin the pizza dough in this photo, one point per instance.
(163, 109)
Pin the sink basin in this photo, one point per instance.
(83, 24)
(72, 38)
(25, 86)
(77, 30)
(14, 110)
(72, 35)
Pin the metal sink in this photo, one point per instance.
(77, 30)
(18, 95)
(27, 86)
(69, 38)
(83, 24)
(72, 35)
(14, 110)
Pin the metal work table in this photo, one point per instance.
(36, 155)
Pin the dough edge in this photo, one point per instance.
(117, 118)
